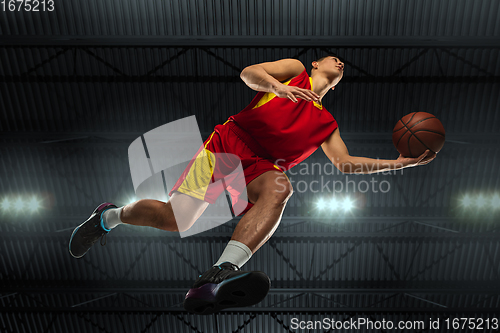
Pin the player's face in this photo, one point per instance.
(332, 65)
(335, 63)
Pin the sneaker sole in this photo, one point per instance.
(69, 245)
(244, 290)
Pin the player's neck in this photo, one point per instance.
(321, 85)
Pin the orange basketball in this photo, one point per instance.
(416, 132)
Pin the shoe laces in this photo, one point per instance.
(216, 274)
(92, 237)
(233, 267)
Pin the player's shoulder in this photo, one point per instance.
(292, 62)
(283, 69)
(294, 65)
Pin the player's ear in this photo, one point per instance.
(333, 88)
(315, 64)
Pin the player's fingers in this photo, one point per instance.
(303, 96)
(430, 157)
(421, 157)
(312, 95)
(292, 97)
(299, 94)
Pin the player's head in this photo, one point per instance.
(330, 66)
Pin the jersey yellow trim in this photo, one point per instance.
(199, 176)
(319, 106)
(209, 139)
(211, 135)
(278, 168)
(268, 97)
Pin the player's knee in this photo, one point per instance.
(182, 212)
(181, 221)
(281, 192)
(288, 192)
(183, 224)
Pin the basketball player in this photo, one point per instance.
(286, 121)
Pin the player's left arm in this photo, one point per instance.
(336, 151)
(267, 77)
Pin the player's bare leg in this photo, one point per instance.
(225, 285)
(151, 213)
(269, 192)
(159, 214)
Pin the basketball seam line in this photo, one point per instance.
(409, 130)
(413, 115)
(408, 143)
(395, 131)
(421, 120)
(426, 130)
(418, 140)
(404, 126)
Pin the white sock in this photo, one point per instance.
(236, 253)
(111, 217)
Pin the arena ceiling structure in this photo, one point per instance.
(80, 82)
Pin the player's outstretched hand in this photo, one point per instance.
(292, 93)
(423, 159)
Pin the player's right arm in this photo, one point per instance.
(336, 151)
(266, 77)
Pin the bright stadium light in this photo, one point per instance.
(321, 204)
(466, 201)
(131, 200)
(19, 204)
(5, 204)
(495, 201)
(348, 204)
(334, 204)
(33, 204)
(481, 201)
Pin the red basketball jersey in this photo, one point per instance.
(287, 132)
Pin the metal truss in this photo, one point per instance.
(227, 321)
(256, 310)
(405, 286)
(118, 76)
(233, 79)
(11, 288)
(319, 235)
(254, 41)
(113, 140)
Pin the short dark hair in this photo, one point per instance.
(329, 55)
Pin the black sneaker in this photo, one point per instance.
(87, 233)
(225, 286)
